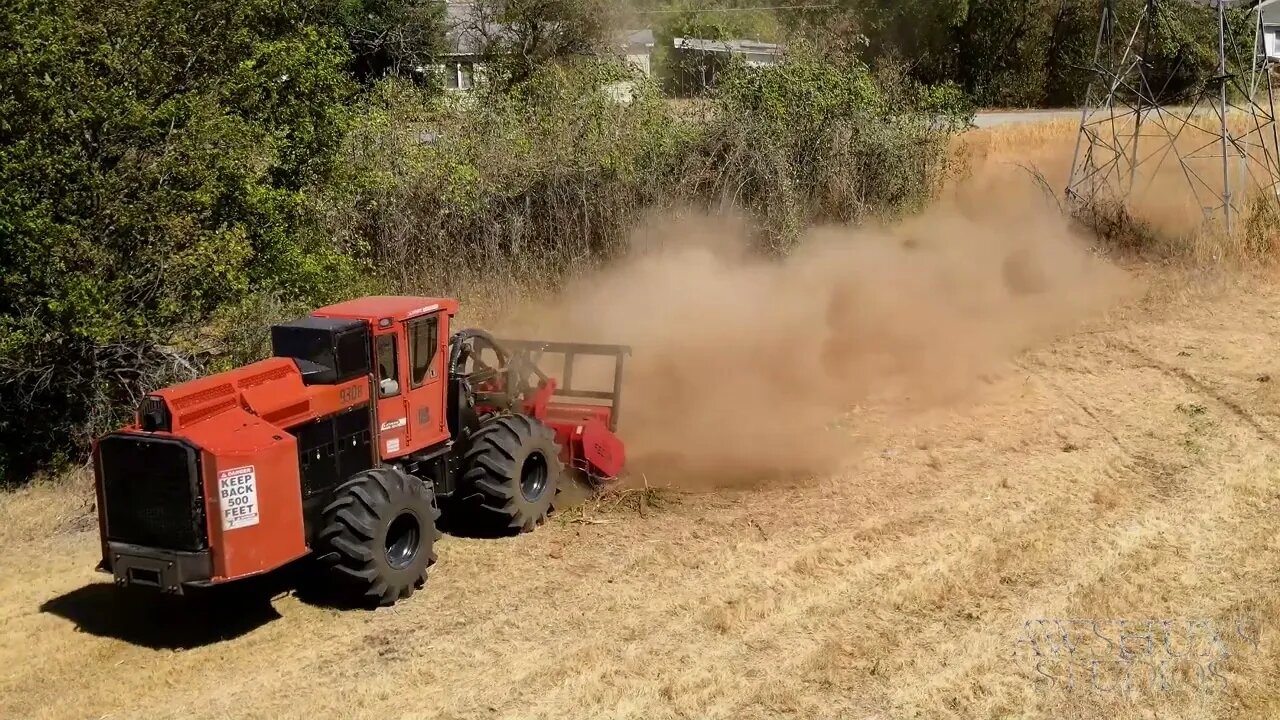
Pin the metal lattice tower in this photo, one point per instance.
(1130, 129)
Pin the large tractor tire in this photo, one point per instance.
(380, 531)
(513, 464)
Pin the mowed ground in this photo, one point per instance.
(1127, 472)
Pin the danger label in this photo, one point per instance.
(238, 496)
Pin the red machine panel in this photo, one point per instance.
(602, 450)
(253, 498)
(410, 366)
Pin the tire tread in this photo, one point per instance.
(363, 504)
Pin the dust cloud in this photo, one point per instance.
(742, 366)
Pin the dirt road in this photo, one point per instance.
(1126, 473)
(995, 118)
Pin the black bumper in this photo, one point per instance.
(167, 571)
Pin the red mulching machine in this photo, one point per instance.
(368, 422)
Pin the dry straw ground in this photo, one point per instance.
(972, 556)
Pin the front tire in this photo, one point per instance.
(381, 530)
(513, 464)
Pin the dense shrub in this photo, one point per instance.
(153, 168)
(813, 141)
(521, 184)
(1009, 53)
(550, 178)
(1002, 53)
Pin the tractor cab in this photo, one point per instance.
(404, 345)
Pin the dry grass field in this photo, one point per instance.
(1090, 530)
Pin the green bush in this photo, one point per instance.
(1020, 53)
(154, 163)
(812, 141)
(523, 183)
(550, 177)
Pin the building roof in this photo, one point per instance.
(467, 33)
(638, 37)
(728, 46)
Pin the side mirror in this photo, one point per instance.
(389, 387)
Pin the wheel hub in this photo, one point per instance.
(403, 540)
(533, 477)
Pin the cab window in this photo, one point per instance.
(388, 385)
(424, 343)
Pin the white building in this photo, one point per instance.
(754, 53)
(467, 35)
(1270, 10)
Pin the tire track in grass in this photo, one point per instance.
(473, 646)
(1001, 540)
(1195, 505)
(846, 579)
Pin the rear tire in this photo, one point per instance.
(381, 530)
(513, 464)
